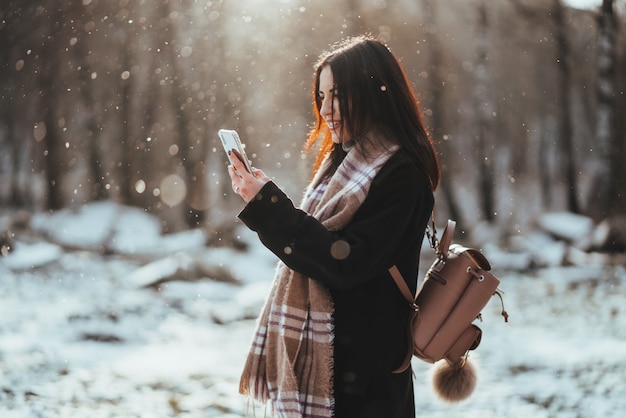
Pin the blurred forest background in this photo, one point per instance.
(122, 100)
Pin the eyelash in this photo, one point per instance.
(334, 92)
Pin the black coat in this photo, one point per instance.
(370, 312)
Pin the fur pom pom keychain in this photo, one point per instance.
(454, 382)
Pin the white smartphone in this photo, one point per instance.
(230, 142)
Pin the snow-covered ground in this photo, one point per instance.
(82, 335)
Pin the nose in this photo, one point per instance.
(326, 109)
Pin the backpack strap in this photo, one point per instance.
(404, 288)
(413, 311)
(440, 247)
(446, 239)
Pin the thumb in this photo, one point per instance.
(260, 174)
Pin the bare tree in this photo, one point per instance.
(566, 131)
(192, 151)
(484, 118)
(9, 161)
(141, 99)
(566, 158)
(126, 132)
(20, 37)
(48, 84)
(437, 104)
(601, 200)
(95, 179)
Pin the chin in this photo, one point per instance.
(340, 139)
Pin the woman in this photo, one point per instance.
(333, 327)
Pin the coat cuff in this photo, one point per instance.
(263, 207)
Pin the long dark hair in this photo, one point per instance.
(374, 94)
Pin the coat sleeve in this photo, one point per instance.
(363, 249)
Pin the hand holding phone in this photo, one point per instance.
(246, 186)
(232, 144)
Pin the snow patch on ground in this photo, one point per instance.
(81, 337)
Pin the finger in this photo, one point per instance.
(237, 163)
(259, 174)
(232, 172)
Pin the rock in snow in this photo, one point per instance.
(31, 256)
(567, 226)
(108, 227)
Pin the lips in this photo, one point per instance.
(334, 126)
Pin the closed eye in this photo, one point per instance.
(334, 92)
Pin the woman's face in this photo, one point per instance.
(329, 109)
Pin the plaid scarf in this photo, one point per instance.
(291, 359)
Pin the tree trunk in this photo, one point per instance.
(48, 134)
(128, 149)
(437, 122)
(565, 132)
(90, 149)
(484, 119)
(192, 153)
(619, 184)
(8, 160)
(600, 199)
